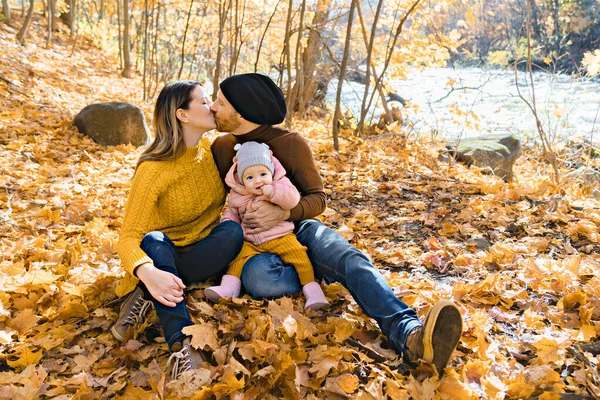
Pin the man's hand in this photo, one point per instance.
(163, 286)
(263, 215)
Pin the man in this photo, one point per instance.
(247, 107)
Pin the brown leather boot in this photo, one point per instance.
(133, 311)
(185, 359)
(436, 340)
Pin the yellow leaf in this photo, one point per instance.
(73, 309)
(322, 369)
(343, 385)
(455, 388)
(470, 16)
(27, 357)
(24, 321)
(348, 383)
(202, 336)
(591, 61)
(548, 350)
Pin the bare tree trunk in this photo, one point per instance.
(369, 46)
(262, 38)
(120, 38)
(336, 115)
(187, 25)
(145, 53)
(535, 25)
(6, 11)
(391, 48)
(51, 20)
(235, 28)
(127, 71)
(26, 23)
(548, 150)
(222, 20)
(299, 83)
(284, 61)
(309, 59)
(241, 40)
(556, 28)
(155, 50)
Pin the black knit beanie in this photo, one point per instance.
(255, 97)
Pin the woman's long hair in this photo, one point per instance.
(168, 140)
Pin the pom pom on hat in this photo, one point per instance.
(250, 154)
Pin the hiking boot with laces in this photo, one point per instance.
(133, 311)
(185, 359)
(436, 340)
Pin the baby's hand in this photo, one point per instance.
(267, 190)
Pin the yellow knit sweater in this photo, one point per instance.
(182, 198)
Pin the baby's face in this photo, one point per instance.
(255, 177)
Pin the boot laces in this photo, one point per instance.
(182, 361)
(138, 311)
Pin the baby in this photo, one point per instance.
(256, 174)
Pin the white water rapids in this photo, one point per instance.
(470, 102)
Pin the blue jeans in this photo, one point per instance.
(336, 260)
(193, 263)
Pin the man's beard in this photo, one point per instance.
(228, 124)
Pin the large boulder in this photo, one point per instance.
(495, 154)
(113, 123)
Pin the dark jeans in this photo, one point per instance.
(193, 263)
(334, 259)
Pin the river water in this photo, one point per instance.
(469, 102)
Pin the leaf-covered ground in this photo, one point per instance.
(520, 260)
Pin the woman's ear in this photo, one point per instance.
(234, 159)
(181, 115)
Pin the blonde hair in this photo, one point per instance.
(168, 133)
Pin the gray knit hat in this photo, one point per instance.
(252, 153)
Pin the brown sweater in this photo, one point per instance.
(293, 152)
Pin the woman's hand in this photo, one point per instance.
(163, 286)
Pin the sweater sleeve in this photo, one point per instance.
(142, 206)
(231, 213)
(285, 195)
(304, 174)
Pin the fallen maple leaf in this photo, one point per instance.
(202, 335)
(26, 358)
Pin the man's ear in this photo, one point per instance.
(180, 113)
(234, 159)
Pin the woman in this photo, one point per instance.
(171, 235)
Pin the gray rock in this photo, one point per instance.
(495, 154)
(113, 123)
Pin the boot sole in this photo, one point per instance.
(443, 337)
(212, 295)
(316, 306)
(116, 334)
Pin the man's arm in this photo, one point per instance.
(297, 159)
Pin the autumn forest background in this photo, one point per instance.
(519, 256)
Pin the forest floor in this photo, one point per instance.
(520, 259)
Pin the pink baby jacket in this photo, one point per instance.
(285, 195)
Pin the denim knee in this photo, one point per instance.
(266, 276)
(233, 232)
(155, 244)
